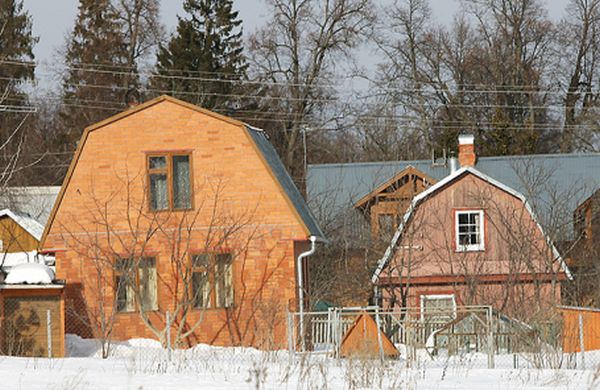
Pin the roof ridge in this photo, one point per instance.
(503, 157)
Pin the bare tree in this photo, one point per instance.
(297, 51)
(198, 252)
(140, 20)
(577, 48)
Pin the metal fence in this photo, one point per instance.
(478, 335)
(475, 335)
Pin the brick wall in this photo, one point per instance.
(107, 188)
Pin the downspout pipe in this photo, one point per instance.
(301, 256)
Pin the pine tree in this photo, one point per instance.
(97, 77)
(207, 49)
(16, 44)
(16, 68)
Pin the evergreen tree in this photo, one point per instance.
(16, 44)
(97, 78)
(207, 50)
(16, 68)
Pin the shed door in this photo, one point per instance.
(25, 326)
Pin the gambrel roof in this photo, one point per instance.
(257, 136)
(572, 177)
(438, 187)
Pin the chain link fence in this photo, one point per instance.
(31, 326)
(477, 336)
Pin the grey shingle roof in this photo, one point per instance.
(286, 182)
(550, 182)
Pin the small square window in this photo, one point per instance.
(469, 231)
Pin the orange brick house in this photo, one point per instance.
(470, 240)
(172, 213)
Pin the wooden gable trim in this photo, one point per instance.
(137, 109)
(406, 171)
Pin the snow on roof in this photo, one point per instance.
(35, 202)
(8, 260)
(30, 273)
(30, 225)
(441, 184)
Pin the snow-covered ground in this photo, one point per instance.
(142, 364)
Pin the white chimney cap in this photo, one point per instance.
(466, 139)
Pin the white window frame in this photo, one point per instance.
(470, 247)
(437, 296)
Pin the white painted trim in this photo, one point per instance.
(472, 247)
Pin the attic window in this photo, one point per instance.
(170, 182)
(469, 231)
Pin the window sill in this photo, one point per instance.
(470, 250)
(137, 312)
(171, 210)
(198, 309)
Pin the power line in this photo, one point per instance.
(280, 116)
(498, 89)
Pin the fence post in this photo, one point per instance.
(581, 341)
(408, 329)
(490, 336)
(49, 331)
(290, 326)
(168, 324)
(338, 332)
(328, 338)
(379, 341)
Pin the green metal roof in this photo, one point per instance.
(553, 183)
(286, 182)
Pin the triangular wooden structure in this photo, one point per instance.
(362, 340)
(402, 184)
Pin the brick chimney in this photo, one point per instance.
(466, 150)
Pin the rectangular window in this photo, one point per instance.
(223, 281)
(469, 231)
(170, 182)
(212, 280)
(127, 280)
(147, 284)
(438, 308)
(200, 282)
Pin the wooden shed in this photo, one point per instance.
(576, 319)
(362, 340)
(19, 233)
(32, 320)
